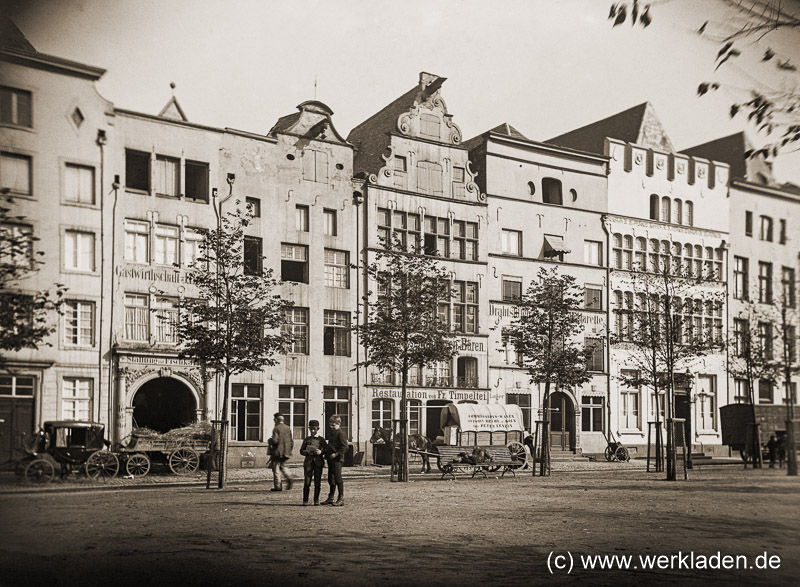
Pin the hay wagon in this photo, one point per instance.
(179, 449)
(496, 429)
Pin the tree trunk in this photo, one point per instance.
(223, 444)
(544, 465)
(403, 472)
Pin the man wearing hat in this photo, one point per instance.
(313, 448)
(280, 449)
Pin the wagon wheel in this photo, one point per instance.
(609, 454)
(517, 451)
(183, 461)
(103, 464)
(39, 471)
(138, 465)
(622, 455)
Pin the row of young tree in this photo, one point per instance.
(233, 324)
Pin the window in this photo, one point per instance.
(168, 175)
(16, 245)
(689, 214)
(329, 222)
(15, 386)
(765, 234)
(294, 263)
(459, 186)
(76, 398)
(791, 343)
(292, 406)
(765, 339)
(523, 400)
(706, 403)
(315, 166)
(295, 323)
(439, 374)
(509, 350)
(429, 126)
(337, 269)
(301, 218)
(788, 286)
(661, 403)
(336, 333)
(741, 332)
(15, 174)
(137, 317)
(78, 250)
(382, 413)
(467, 372)
(764, 282)
(592, 414)
(465, 240)
(677, 212)
(193, 240)
(253, 207)
(78, 323)
(437, 236)
(16, 107)
(465, 307)
(782, 235)
(414, 416)
(197, 181)
(166, 244)
(137, 170)
(741, 391)
(630, 400)
(400, 172)
(253, 256)
(654, 207)
(336, 402)
(77, 117)
(137, 238)
(246, 412)
(593, 253)
(666, 209)
(748, 223)
(79, 181)
(429, 177)
(166, 320)
(593, 297)
(551, 191)
(740, 278)
(512, 242)
(512, 290)
(765, 394)
(595, 361)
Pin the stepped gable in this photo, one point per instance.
(402, 116)
(638, 125)
(312, 121)
(731, 150)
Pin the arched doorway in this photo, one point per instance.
(562, 421)
(433, 417)
(163, 404)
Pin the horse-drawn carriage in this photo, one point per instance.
(738, 428)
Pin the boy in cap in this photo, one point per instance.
(312, 448)
(337, 447)
(280, 449)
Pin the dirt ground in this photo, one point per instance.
(426, 532)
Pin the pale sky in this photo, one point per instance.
(545, 67)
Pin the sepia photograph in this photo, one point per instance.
(357, 292)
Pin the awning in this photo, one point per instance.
(482, 417)
(554, 245)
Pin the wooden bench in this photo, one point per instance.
(451, 460)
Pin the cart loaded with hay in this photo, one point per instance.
(179, 449)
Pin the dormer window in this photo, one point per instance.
(459, 187)
(400, 172)
(551, 191)
(430, 127)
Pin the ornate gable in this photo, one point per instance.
(428, 118)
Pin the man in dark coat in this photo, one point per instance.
(313, 448)
(337, 447)
(280, 449)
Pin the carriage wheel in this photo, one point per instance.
(517, 450)
(609, 454)
(39, 471)
(138, 465)
(102, 464)
(183, 461)
(622, 455)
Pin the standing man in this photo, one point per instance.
(337, 447)
(280, 449)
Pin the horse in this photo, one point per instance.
(416, 442)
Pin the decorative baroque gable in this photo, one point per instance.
(410, 123)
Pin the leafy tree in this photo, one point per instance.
(657, 327)
(402, 326)
(544, 334)
(25, 317)
(774, 108)
(233, 325)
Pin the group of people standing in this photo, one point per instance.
(776, 447)
(316, 451)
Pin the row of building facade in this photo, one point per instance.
(117, 200)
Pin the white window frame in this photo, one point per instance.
(78, 321)
(137, 241)
(295, 323)
(593, 253)
(137, 305)
(630, 416)
(76, 398)
(253, 395)
(290, 398)
(337, 269)
(79, 250)
(329, 222)
(706, 402)
(167, 245)
(511, 242)
(79, 186)
(15, 173)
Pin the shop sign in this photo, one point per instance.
(151, 274)
(431, 394)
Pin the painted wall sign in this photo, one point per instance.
(431, 394)
(143, 360)
(151, 274)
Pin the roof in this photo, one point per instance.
(731, 150)
(12, 38)
(312, 121)
(638, 125)
(173, 111)
(501, 129)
